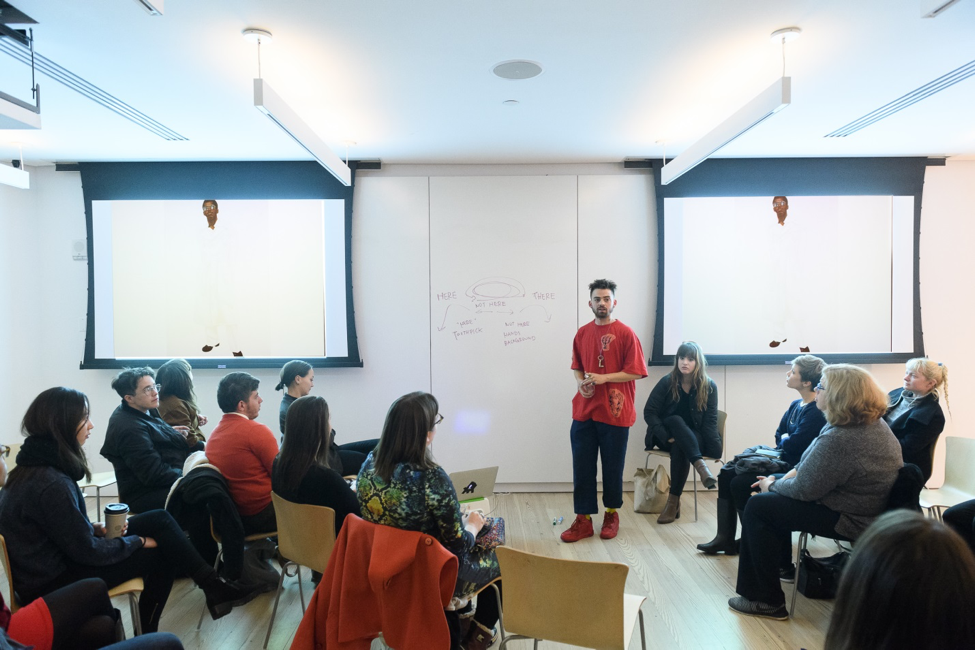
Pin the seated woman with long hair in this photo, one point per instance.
(799, 426)
(909, 584)
(297, 378)
(914, 412)
(682, 418)
(401, 485)
(52, 543)
(841, 484)
(177, 400)
(301, 473)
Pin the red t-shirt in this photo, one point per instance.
(621, 351)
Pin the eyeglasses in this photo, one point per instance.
(5, 451)
(152, 388)
(438, 420)
(819, 387)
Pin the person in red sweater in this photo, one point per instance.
(244, 451)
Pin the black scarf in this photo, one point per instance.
(38, 451)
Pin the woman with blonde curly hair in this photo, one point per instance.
(914, 412)
(842, 482)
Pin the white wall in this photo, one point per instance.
(43, 302)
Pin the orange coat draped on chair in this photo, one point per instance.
(381, 579)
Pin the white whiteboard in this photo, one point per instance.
(503, 300)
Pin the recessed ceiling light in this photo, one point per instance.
(517, 69)
(510, 102)
(254, 35)
(786, 35)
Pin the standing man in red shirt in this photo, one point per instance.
(607, 359)
(244, 450)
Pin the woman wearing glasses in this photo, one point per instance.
(842, 483)
(914, 412)
(147, 453)
(50, 540)
(401, 485)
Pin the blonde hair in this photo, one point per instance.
(851, 396)
(932, 371)
(699, 379)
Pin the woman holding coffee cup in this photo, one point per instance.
(51, 541)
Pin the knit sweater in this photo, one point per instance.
(244, 451)
(850, 470)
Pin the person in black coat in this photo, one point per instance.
(147, 453)
(682, 418)
(914, 412)
(301, 472)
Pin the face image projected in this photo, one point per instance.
(210, 211)
(780, 205)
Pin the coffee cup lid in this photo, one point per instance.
(116, 508)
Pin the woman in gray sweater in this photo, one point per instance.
(839, 487)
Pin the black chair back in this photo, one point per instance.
(907, 488)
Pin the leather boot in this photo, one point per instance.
(724, 541)
(706, 477)
(671, 510)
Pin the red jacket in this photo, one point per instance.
(384, 579)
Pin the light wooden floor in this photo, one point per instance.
(687, 592)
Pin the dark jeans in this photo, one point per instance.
(173, 557)
(688, 446)
(592, 440)
(736, 487)
(262, 522)
(961, 519)
(766, 534)
(353, 455)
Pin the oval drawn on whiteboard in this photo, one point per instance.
(495, 287)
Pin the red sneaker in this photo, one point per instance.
(581, 528)
(611, 525)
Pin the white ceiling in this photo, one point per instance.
(410, 80)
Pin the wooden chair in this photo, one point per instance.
(306, 536)
(216, 563)
(130, 588)
(722, 420)
(959, 485)
(567, 601)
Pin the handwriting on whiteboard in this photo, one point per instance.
(495, 308)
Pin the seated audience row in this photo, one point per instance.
(51, 541)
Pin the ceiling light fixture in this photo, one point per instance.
(766, 104)
(278, 111)
(152, 7)
(517, 69)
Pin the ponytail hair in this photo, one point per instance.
(292, 369)
(932, 371)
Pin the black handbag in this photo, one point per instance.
(819, 577)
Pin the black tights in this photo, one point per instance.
(82, 616)
(688, 446)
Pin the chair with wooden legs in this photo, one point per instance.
(216, 563)
(959, 485)
(130, 588)
(306, 536)
(567, 601)
(722, 420)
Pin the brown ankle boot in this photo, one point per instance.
(479, 637)
(706, 477)
(671, 510)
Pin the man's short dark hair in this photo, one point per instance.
(234, 389)
(126, 381)
(213, 201)
(602, 284)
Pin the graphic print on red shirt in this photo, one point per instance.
(602, 350)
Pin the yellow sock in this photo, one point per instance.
(588, 517)
(610, 511)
